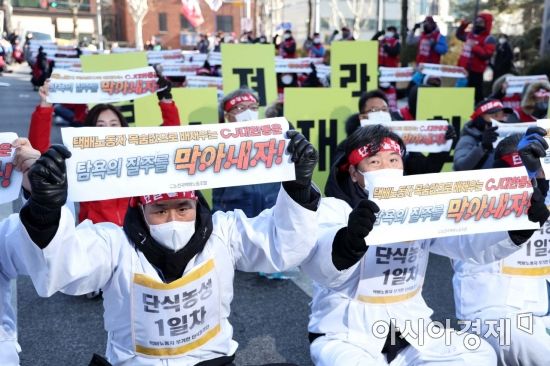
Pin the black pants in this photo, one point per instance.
(475, 80)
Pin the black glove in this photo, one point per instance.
(489, 136)
(305, 157)
(335, 32)
(531, 148)
(450, 134)
(48, 179)
(349, 243)
(166, 85)
(416, 26)
(378, 34)
(537, 212)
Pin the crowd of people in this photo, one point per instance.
(165, 242)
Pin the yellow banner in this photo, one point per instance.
(354, 66)
(320, 114)
(452, 104)
(250, 65)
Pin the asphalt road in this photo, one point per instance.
(269, 317)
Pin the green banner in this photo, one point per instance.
(354, 66)
(250, 65)
(320, 114)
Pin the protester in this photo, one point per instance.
(40, 69)
(317, 49)
(490, 298)
(474, 149)
(350, 301)
(431, 43)
(287, 48)
(346, 34)
(389, 47)
(534, 103)
(479, 47)
(203, 46)
(11, 266)
(503, 62)
(500, 92)
(166, 239)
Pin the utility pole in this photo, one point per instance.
(99, 25)
(545, 36)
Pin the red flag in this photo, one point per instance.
(192, 11)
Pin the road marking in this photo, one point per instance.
(24, 96)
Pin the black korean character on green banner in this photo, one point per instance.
(254, 79)
(356, 73)
(325, 139)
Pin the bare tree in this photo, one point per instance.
(75, 6)
(8, 12)
(356, 8)
(138, 9)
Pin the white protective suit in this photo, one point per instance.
(10, 268)
(92, 257)
(492, 298)
(385, 285)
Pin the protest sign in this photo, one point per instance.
(250, 65)
(120, 162)
(443, 71)
(419, 136)
(180, 69)
(395, 74)
(506, 129)
(354, 66)
(195, 106)
(296, 65)
(101, 87)
(63, 63)
(320, 114)
(445, 204)
(10, 179)
(159, 57)
(516, 84)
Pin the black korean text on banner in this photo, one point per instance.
(252, 66)
(320, 114)
(354, 66)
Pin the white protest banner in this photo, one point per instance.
(159, 57)
(507, 129)
(545, 162)
(101, 87)
(516, 84)
(66, 63)
(122, 162)
(419, 136)
(215, 58)
(197, 81)
(296, 65)
(10, 179)
(395, 74)
(181, 69)
(123, 50)
(446, 204)
(442, 71)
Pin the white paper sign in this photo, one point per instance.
(101, 87)
(516, 84)
(296, 65)
(419, 136)
(507, 129)
(181, 69)
(197, 81)
(395, 74)
(446, 204)
(545, 162)
(443, 71)
(10, 179)
(159, 57)
(123, 162)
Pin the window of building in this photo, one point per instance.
(163, 22)
(224, 23)
(184, 24)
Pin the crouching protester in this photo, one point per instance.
(353, 320)
(506, 302)
(167, 274)
(10, 265)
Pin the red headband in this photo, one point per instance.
(152, 198)
(366, 151)
(484, 108)
(512, 160)
(241, 98)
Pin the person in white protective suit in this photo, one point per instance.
(367, 306)
(167, 275)
(506, 302)
(11, 266)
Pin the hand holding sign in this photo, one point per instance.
(304, 156)
(531, 148)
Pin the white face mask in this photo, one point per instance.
(377, 117)
(502, 40)
(389, 34)
(316, 40)
(247, 115)
(173, 235)
(286, 79)
(376, 177)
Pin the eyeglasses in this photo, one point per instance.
(243, 107)
(365, 114)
